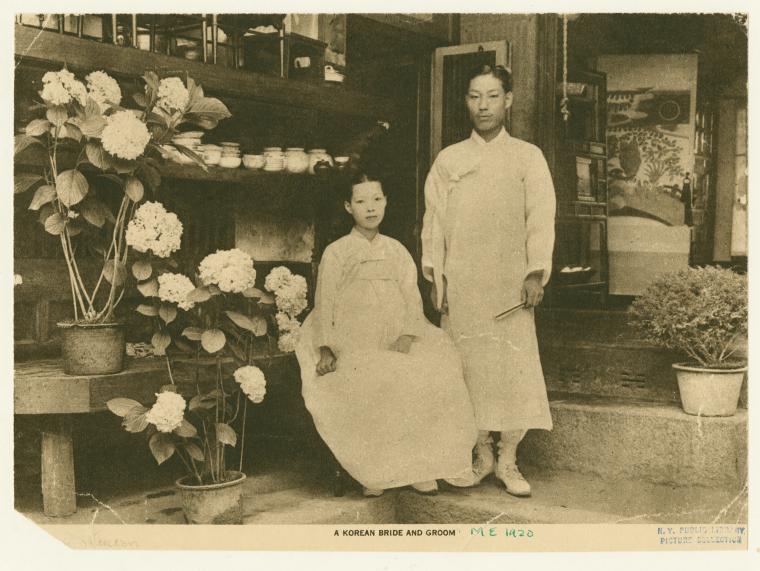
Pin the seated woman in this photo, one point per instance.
(384, 386)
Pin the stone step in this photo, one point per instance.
(642, 441)
(558, 498)
(562, 497)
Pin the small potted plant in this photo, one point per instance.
(220, 318)
(99, 159)
(700, 312)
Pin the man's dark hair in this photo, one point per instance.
(498, 71)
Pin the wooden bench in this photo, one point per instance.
(41, 388)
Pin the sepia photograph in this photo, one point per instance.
(397, 281)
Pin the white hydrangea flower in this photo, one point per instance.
(103, 89)
(154, 229)
(174, 289)
(172, 95)
(61, 87)
(277, 278)
(124, 135)
(287, 340)
(285, 322)
(168, 412)
(252, 381)
(231, 270)
(291, 297)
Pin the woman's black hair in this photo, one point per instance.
(356, 176)
(498, 71)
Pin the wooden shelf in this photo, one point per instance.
(33, 45)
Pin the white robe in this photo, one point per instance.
(489, 222)
(391, 419)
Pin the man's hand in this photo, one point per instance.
(533, 290)
(403, 344)
(444, 308)
(327, 361)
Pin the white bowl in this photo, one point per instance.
(254, 162)
(230, 162)
(212, 157)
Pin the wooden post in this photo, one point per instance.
(58, 491)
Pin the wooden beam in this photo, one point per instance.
(32, 45)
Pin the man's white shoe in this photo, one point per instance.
(429, 488)
(483, 462)
(372, 493)
(513, 480)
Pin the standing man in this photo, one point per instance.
(487, 241)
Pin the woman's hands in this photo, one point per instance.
(403, 344)
(327, 361)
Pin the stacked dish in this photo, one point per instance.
(275, 159)
(190, 140)
(230, 158)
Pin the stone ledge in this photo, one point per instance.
(643, 441)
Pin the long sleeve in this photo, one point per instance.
(433, 246)
(328, 282)
(540, 208)
(414, 320)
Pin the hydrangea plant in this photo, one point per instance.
(93, 142)
(220, 317)
(701, 312)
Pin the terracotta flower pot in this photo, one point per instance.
(213, 503)
(709, 392)
(92, 348)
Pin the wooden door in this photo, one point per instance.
(451, 67)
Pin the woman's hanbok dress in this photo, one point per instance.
(391, 419)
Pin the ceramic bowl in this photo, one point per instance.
(212, 157)
(229, 162)
(254, 162)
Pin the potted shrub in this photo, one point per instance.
(99, 159)
(701, 313)
(220, 318)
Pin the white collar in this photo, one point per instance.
(503, 136)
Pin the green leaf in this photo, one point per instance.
(92, 126)
(43, 195)
(115, 272)
(186, 429)
(209, 107)
(167, 312)
(21, 142)
(225, 434)
(213, 340)
(203, 121)
(150, 175)
(97, 155)
(123, 406)
(72, 187)
(259, 326)
(168, 389)
(142, 269)
(162, 446)
(94, 211)
(57, 115)
(194, 451)
(74, 228)
(116, 179)
(92, 109)
(123, 166)
(134, 189)
(55, 224)
(253, 292)
(213, 289)
(141, 99)
(160, 341)
(267, 299)
(151, 78)
(136, 422)
(24, 182)
(148, 310)
(149, 288)
(199, 295)
(71, 131)
(240, 320)
(197, 159)
(192, 333)
(37, 127)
